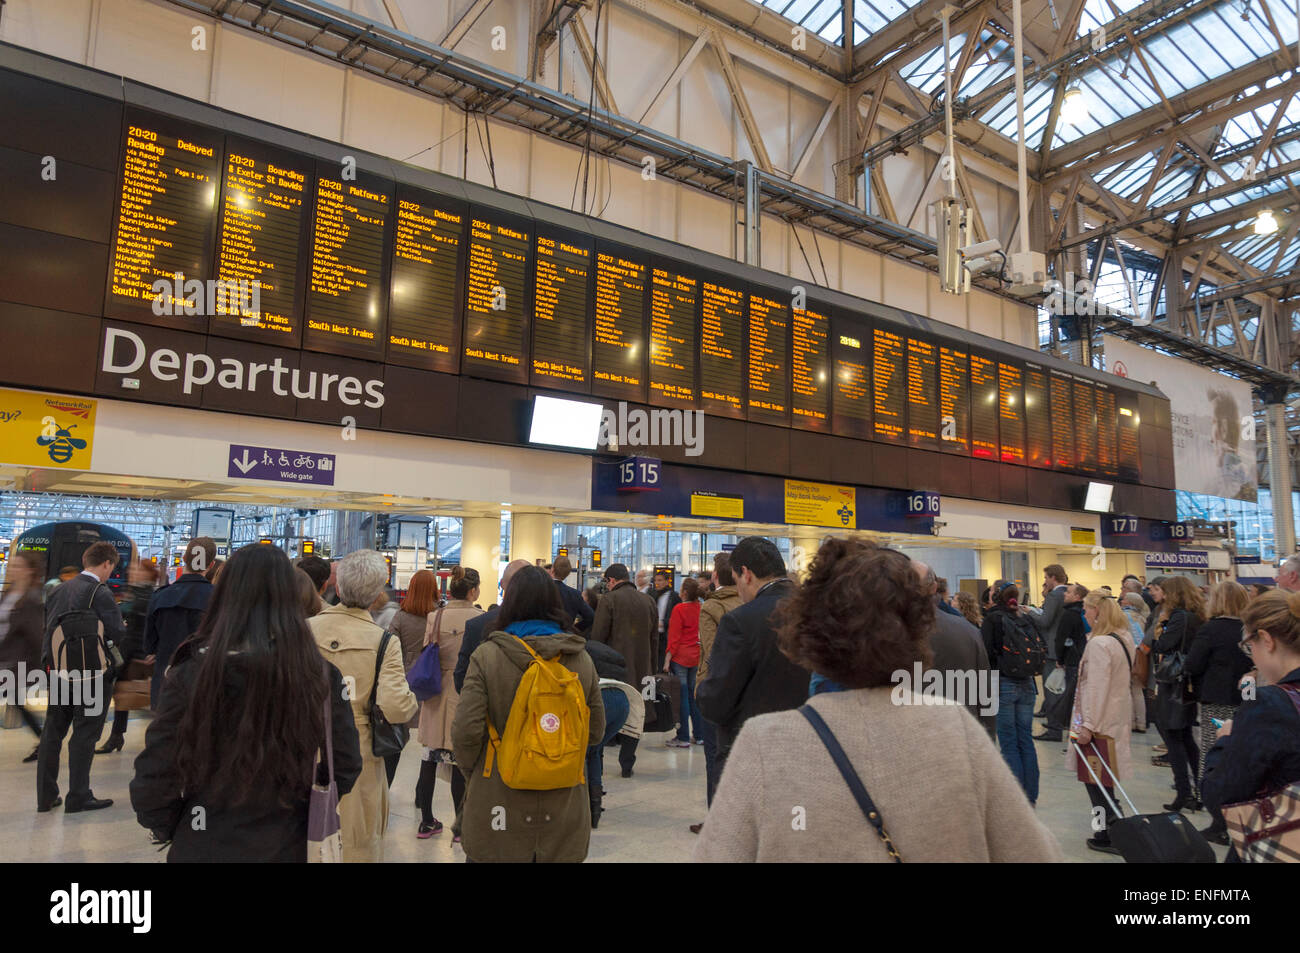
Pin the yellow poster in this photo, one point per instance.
(46, 430)
(820, 504)
(1083, 537)
(711, 504)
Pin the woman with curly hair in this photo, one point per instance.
(935, 787)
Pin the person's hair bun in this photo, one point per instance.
(457, 573)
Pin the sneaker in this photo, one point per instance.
(1105, 847)
(678, 743)
(428, 830)
(698, 741)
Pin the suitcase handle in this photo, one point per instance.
(1087, 764)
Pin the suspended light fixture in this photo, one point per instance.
(1074, 106)
(1265, 223)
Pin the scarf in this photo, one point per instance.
(534, 627)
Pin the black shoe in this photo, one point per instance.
(46, 808)
(627, 772)
(1105, 847)
(595, 817)
(1216, 835)
(91, 803)
(114, 743)
(1179, 803)
(1048, 736)
(696, 828)
(32, 757)
(1195, 804)
(1161, 761)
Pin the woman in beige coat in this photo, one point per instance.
(349, 638)
(941, 791)
(446, 626)
(1103, 703)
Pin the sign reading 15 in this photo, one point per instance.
(638, 473)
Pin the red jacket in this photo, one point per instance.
(684, 634)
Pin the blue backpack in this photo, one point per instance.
(425, 676)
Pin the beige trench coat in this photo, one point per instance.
(438, 712)
(350, 640)
(1102, 702)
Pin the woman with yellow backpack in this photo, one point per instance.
(528, 711)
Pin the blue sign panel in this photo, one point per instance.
(1187, 559)
(639, 473)
(282, 466)
(1021, 529)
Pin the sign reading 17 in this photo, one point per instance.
(636, 473)
(1124, 525)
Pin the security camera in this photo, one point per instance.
(977, 265)
(982, 249)
(936, 526)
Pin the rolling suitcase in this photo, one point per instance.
(1167, 838)
(665, 704)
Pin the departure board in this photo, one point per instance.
(889, 384)
(560, 335)
(496, 300)
(424, 307)
(810, 393)
(769, 359)
(1085, 424)
(346, 306)
(264, 210)
(673, 333)
(954, 400)
(618, 351)
(851, 405)
(1063, 419)
(1127, 451)
(722, 349)
(1011, 413)
(1107, 427)
(166, 216)
(984, 408)
(922, 394)
(1038, 419)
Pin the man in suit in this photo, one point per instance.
(85, 590)
(958, 648)
(575, 607)
(480, 627)
(625, 620)
(1055, 579)
(748, 675)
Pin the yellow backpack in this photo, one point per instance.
(544, 746)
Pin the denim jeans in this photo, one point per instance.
(616, 711)
(686, 678)
(1016, 697)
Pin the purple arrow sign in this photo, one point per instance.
(283, 466)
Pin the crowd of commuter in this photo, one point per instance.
(806, 697)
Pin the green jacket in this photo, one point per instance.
(498, 823)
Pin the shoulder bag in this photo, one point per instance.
(850, 778)
(1172, 668)
(385, 737)
(1267, 829)
(425, 676)
(324, 830)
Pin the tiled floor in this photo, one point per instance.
(646, 817)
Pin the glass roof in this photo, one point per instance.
(822, 17)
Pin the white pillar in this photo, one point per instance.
(530, 536)
(1279, 479)
(480, 548)
(803, 550)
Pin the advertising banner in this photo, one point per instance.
(820, 504)
(46, 430)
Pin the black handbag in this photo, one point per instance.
(385, 737)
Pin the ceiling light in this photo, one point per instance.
(1074, 106)
(1265, 223)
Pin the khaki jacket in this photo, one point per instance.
(719, 602)
(349, 639)
(499, 823)
(438, 713)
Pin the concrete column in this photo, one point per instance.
(803, 549)
(1279, 479)
(530, 536)
(991, 563)
(480, 548)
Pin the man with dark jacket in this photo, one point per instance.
(748, 675)
(1055, 579)
(575, 607)
(1071, 639)
(626, 621)
(480, 627)
(666, 599)
(959, 653)
(84, 591)
(176, 611)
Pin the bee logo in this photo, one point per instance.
(845, 514)
(61, 444)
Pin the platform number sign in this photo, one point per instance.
(1123, 525)
(1164, 531)
(562, 551)
(639, 473)
(921, 503)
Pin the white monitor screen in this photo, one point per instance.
(565, 423)
(1098, 498)
(216, 524)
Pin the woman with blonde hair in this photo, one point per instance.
(1216, 665)
(969, 607)
(1103, 703)
(1182, 612)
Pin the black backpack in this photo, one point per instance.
(1022, 652)
(78, 648)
